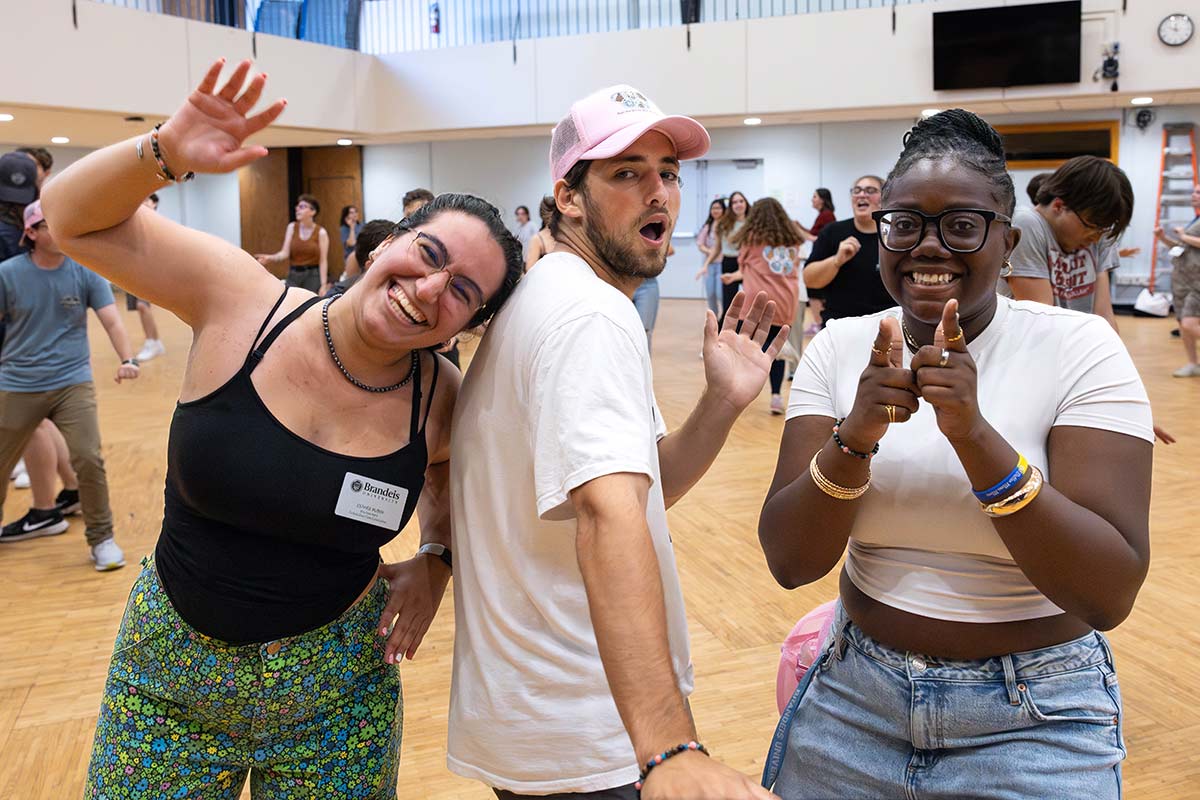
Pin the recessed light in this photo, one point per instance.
(59, 140)
(6, 117)
(345, 142)
(929, 112)
(752, 121)
(1142, 101)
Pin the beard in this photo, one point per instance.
(621, 257)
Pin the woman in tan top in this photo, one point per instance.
(305, 248)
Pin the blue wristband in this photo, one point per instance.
(1002, 488)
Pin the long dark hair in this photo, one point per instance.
(489, 215)
(720, 201)
(345, 212)
(725, 224)
(826, 199)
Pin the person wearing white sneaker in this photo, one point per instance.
(20, 475)
(153, 346)
(1185, 284)
(45, 373)
(769, 261)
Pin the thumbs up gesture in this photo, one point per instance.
(887, 392)
(947, 378)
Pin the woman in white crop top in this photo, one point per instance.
(965, 658)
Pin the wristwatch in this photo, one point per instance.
(131, 362)
(439, 550)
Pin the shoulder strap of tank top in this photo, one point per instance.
(413, 426)
(270, 314)
(260, 350)
(432, 388)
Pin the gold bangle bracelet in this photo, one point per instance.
(832, 489)
(1018, 499)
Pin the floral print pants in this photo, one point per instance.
(318, 715)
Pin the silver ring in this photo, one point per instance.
(945, 359)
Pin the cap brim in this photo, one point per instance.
(689, 137)
(22, 195)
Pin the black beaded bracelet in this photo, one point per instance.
(848, 450)
(162, 165)
(661, 757)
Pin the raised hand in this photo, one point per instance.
(887, 393)
(848, 248)
(947, 378)
(207, 132)
(735, 365)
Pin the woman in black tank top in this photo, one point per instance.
(307, 434)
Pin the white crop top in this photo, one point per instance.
(920, 542)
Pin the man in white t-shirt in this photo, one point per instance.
(571, 657)
(1069, 239)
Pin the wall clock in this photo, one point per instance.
(1176, 29)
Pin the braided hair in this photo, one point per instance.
(965, 137)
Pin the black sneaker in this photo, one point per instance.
(67, 502)
(35, 523)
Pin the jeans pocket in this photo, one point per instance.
(1082, 697)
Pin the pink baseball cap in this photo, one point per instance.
(607, 122)
(33, 215)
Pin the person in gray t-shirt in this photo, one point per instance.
(46, 373)
(1069, 238)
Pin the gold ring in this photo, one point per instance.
(879, 352)
(954, 339)
(945, 359)
(891, 412)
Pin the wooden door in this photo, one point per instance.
(265, 205)
(333, 175)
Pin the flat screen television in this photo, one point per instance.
(1011, 46)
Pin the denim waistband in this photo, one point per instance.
(1086, 651)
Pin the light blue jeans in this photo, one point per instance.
(645, 299)
(712, 288)
(871, 722)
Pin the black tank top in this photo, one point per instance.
(252, 546)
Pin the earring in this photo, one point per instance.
(1006, 270)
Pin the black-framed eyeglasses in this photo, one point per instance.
(960, 230)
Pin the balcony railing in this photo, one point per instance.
(391, 26)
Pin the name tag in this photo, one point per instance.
(371, 501)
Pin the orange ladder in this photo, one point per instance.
(1178, 164)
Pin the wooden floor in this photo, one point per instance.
(58, 617)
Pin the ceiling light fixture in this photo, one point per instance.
(1142, 101)
(345, 142)
(6, 117)
(59, 140)
(752, 121)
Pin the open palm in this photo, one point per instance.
(735, 365)
(207, 132)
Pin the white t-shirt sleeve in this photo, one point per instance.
(812, 388)
(1102, 386)
(592, 411)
